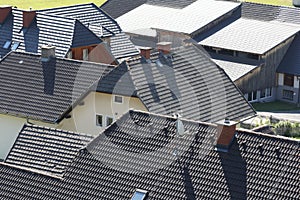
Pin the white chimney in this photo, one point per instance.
(48, 52)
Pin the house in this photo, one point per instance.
(46, 150)
(86, 97)
(150, 156)
(78, 39)
(101, 24)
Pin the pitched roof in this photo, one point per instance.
(44, 90)
(241, 35)
(141, 150)
(187, 82)
(235, 70)
(117, 8)
(46, 149)
(186, 20)
(89, 15)
(266, 12)
(291, 61)
(63, 33)
(101, 24)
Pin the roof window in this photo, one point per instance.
(7, 44)
(139, 195)
(15, 46)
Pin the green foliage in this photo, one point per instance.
(274, 106)
(274, 2)
(42, 4)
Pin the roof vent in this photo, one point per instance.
(4, 12)
(48, 52)
(28, 17)
(164, 47)
(226, 131)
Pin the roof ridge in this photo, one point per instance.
(288, 139)
(67, 6)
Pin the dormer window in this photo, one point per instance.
(139, 195)
(7, 45)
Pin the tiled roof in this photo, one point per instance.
(122, 47)
(101, 24)
(44, 90)
(265, 12)
(45, 149)
(117, 8)
(186, 20)
(291, 61)
(89, 15)
(241, 35)
(189, 83)
(141, 150)
(59, 33)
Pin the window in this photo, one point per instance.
(288, 80)
(226, 52)
(287, 94)
(7, 45)
(269, 92)
(85, 53)
(99, 120)
(263, 93)
(70, 55)
(15, 46)
(139, 195)
(109, 121)
(118, 99)
(252, 96)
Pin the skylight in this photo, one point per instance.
(7, 44)
(15, 46)
(139, 195)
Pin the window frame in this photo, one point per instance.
(287, 96)
(288, 80)
(85, 54)
(118, 96)
(97, 122)
(106, 120)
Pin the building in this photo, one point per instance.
(160, 157)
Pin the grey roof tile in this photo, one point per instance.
(88, 14)
(138, 152)
(122, 47)
(44, 90)
(241, 35)
(45, 149)
(188, 83)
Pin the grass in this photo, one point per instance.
(274, 106)
(42, 4)
(273, 2)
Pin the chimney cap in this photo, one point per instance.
(226, 122)
(164, 43)
(145, 48)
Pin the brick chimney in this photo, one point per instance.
(146, 52)
(164, 47)
(48, 52)
(28, 17)
(226, 130)
(4, 13)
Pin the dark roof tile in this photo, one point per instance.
(166, 166)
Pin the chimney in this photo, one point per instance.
(226, 131)
(164, 47)
(145, 52)
(4, 13)
(28, 17)
(48, 52)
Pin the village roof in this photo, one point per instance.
(188, 19)
(44, 91)
(46, 150)
(141, 151)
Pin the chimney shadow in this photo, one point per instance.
(49, 72)
(234, 168)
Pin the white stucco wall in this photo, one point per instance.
(280, 79)
(84, 116)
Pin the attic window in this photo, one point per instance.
(118, 99)
(7, 44)
(139, 195)
(15, 46)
